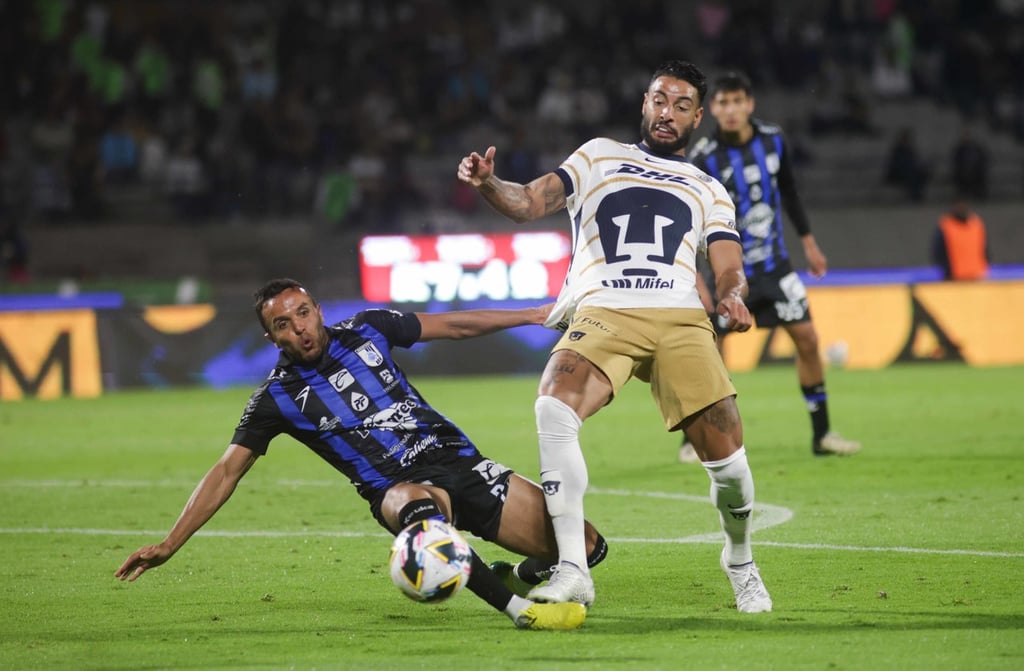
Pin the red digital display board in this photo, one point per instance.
(464, 266)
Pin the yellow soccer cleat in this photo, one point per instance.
(552, 616)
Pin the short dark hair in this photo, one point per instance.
(271, 289)
(730, 81)
(686, 71)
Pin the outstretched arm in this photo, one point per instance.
(726, 257)
(471, 323)
(520, 203)
(209, 495)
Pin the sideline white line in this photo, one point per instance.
(210, 533)
(899, 549)
(766, 516)
(700, 539)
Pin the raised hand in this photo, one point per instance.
(476, 169)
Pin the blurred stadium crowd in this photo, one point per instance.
(246, 109)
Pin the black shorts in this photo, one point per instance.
(476, 485)
(776, 297)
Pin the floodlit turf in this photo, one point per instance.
(909, 555)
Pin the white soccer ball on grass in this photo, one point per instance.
(430, 561)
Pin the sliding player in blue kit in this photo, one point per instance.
(338, 391)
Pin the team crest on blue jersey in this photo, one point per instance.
(370, 355)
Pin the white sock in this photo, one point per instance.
(732, 492)
(563, 475)
(517, 605)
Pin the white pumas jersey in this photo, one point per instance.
(638, 221)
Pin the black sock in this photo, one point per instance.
(485, 584)
(599, 553)
(817, 405)
(420, 509)
(532, 571)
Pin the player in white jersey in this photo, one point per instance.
(637, 231)
(629, 308)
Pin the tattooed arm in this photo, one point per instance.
(520, 203)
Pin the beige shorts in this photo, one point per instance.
(671, 348)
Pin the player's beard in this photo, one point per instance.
(661, 147)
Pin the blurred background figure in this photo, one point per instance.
(959, 245)
(970, 166)
(13, 252)
(905, 168)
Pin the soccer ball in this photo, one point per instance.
(837, 354)
(430, 561)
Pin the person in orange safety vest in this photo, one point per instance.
(960, 246)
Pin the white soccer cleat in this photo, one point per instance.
(832, 443)
(567, 583)
(751, 595)
(688, 455)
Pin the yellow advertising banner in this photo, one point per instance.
(49, 354)
(873, 326)
(984, 320)
(179, 318)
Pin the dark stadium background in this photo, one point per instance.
(156, 152)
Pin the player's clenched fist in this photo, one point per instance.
(476, 169)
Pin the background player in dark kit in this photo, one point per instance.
(751, 158)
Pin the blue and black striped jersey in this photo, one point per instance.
(355, 408)
(759, 177)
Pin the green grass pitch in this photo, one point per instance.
(909, 555)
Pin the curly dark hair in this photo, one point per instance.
(686, 71)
